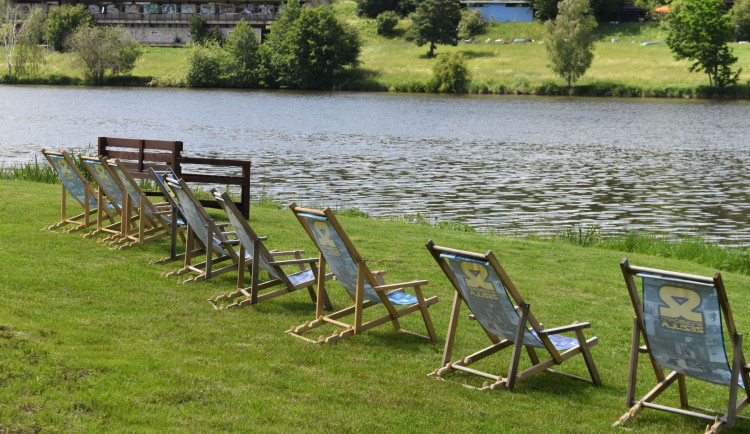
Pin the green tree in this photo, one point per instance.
(472, 23)
(450, 72)
(741, 20)
(63, 21)
(19, 36)
(103, 50)
(436, 22)
(570, 40)
(386, 23)
(306, 47)
(10, 33)
(242, 47)
(198, 28)
(699, 31)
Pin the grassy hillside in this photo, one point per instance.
(93, 339)
(624, 68)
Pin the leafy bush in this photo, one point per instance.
(206, 65)
(386, 23)
(450, 72)
(102, 50)
(471, 24)
(306, 47)
(63, 21)
(741, 20)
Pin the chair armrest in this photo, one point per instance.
(400, 285)
(275, 253)
(295, 261)
(567, 328)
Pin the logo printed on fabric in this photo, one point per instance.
(678, 313)
(324, 238)
(476, 280)
(66, 172)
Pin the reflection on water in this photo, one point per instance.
(497, 163)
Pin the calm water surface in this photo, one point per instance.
(497, 163)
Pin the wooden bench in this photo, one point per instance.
(139, 155)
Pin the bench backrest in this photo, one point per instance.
(139, 155)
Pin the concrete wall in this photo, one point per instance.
(168, 36)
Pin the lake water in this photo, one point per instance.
(509, 164)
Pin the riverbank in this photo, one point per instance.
(624, 68)
(94, 339)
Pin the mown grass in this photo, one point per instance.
(93, 339)
(624, 68)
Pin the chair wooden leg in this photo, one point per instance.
(586, 352)
(517, 346)
(633, 371)
(450, 338)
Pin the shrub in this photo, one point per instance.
(450, 72)
(206, 65)
(386, 23)
(102, 50)
(471, 24)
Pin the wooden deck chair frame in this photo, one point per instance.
(159, 178)
(154, 221)
(263, 258)
(518, 337)
(739, 368)
(368, 288)
(218, 248)
(111, 187)
(74, 183)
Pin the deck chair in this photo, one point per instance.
(110, 187)
(498, 307)
(153, 220)
(263, 258)
(74, 183)
(367, 289)
(680, 321)
(214, 242)
(160, 179)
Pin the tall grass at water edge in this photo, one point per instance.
(692, 248)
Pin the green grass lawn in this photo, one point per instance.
(94, 339)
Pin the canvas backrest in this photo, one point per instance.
(247, 237)
(70, 177)
(683, 326)
(196, 216)
(484, 293)
(131, 187)
(104, 178)
(339, 256)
